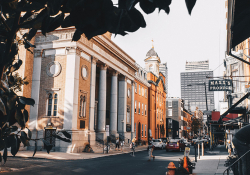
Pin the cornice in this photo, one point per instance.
(113, 48)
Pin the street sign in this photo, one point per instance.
(220, 85)
(207, 112)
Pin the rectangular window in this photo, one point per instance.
(135, 87)
(139, 89)
(139, 108)
(145, 130)
(142, 109)
(169, 103)
(141, 130)
(146, 93)
(142, 91)
(145, 109)
(135, 106)
(169, 112)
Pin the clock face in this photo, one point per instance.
(53, 69)
(84, 72)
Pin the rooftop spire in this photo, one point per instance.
(152, 43)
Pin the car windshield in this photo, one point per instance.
(156, 140)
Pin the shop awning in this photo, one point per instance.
(231, 109)
(238, 23)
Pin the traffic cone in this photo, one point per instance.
(185, 163)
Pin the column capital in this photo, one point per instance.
(104, 67)
(94, 60)
(115, 73)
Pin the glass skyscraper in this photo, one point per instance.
(193, 89)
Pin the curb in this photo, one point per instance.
(101, 155)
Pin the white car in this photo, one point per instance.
(158, 143)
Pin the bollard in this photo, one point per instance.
(199, 150)
(195, 154)
(171, 169)
(202, 149)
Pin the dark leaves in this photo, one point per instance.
(54, 6)
(61, 138)
(47, 145)
(66, 134)
(51, 23)
(147, 6)
(190, 5)
(19, 118)
(35, 148)
(29, 133)
(127, 4)
(0, 157)
(2, 107)
(27, 101)
(31, 34)
(77, 35)
(15, 146)
(5, 154)
(66, 22)
(24, 139)
(16, 66)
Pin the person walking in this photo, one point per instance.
(229, 147)
(241, 143)
(117, 144)
(150, 149)
(132, 146)
(122, 144)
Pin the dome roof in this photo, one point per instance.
(151, 53)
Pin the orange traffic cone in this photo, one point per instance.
(185, 164)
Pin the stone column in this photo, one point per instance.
(101, 119)
(113, 104)
(92, 95)
(92, 102)
(122, 106)
(133, 111)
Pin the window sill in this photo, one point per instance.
(50, 116)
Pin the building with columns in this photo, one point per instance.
(141, 104)
(156, 96)
(84, 87)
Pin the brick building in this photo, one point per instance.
(84, 87)
(156, 96)
(141, 104)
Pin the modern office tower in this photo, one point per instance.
(164, 69)
(193, 88)
(197, 65)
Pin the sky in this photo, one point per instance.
(179, 37)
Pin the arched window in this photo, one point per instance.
(82, 107)
(55, 105)
(52, 104)
(49, 105)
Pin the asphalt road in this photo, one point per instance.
(122, 164)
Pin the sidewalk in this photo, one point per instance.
(72, 156)
(212, 163)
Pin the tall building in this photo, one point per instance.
(164, 70)
(197, 65)
(193, 88)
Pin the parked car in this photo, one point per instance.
(175, 145)
(164, 139)
(158, 143)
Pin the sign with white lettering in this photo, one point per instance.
(220, 85)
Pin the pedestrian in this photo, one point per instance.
(241, 143)
(122, 144)
(132, 146)
(117, 144)
(229, 147)
(150, 149)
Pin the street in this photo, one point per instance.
(116, 164)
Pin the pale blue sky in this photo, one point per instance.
(179, 37)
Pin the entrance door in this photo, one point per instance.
(139, 131)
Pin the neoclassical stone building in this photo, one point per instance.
(84, 87)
